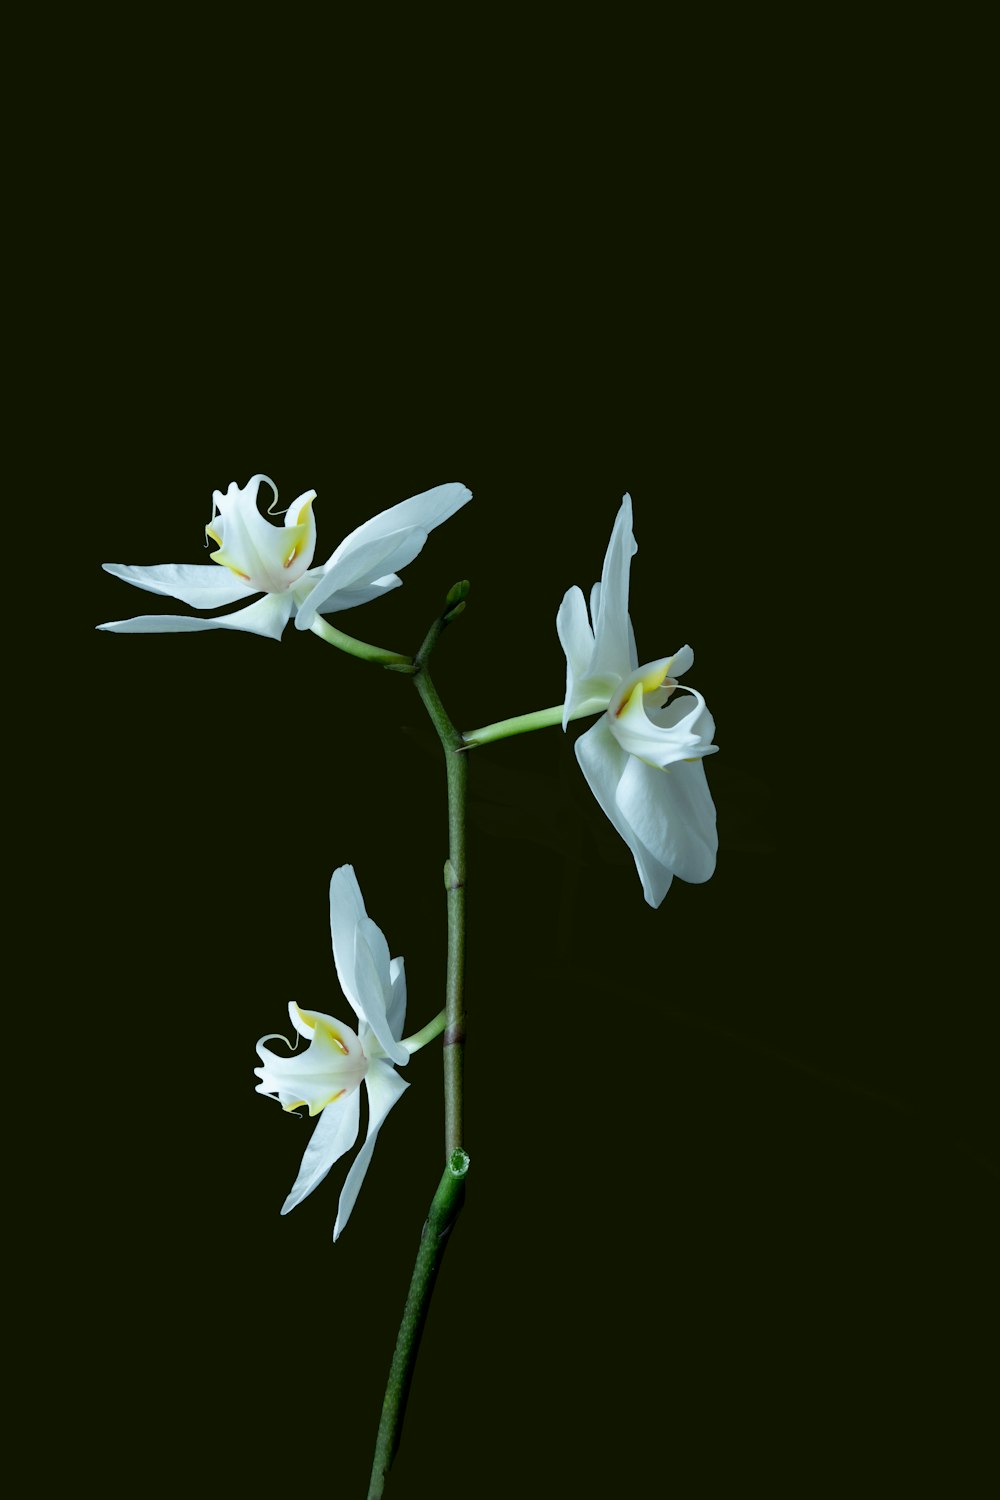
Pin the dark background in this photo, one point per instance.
(733, 1182)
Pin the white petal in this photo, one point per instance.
(681, 730)
(577, 640)
(268, 616)
(595, 609)
(347, 909)
(396, 1010)
(207, 587)
(361, 955)
(352, 571)
(612, 632)
(384, 1087)
(604, 763)
(574, 632)
(383, 545)
(672, 815)
(343, 598)
(585, 692)
(374, 986)
(336, 1131)
(682, 661)
(299, 1020)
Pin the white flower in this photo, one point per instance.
(326, 1076)
(642, 759)
(259, 557)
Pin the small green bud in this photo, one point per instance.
(454, 613)
(458, 592)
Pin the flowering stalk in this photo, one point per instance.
(542, 718)
(433, 1237)
(451, 1191)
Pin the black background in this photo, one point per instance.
(731, 1188)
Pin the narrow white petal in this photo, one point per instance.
(577, 641)
(374, 987)
(612, 634)
(384, 1087)
(574, 632)
(361, 955)
(396, 1010)
(604, 763)
(383, 545)
(206, 587)
(268, 616)
(347, 909)
(672, 814)
(336, 1131)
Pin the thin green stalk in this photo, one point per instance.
(434, 1236)
(449, 1196)
(426, 1033)
(542, 718)
(354, 647)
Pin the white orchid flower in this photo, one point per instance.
(326, 1077)
(255, 556)
(643, 758)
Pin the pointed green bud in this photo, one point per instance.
(458, 592)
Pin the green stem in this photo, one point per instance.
(457, 767)
(450, 1193)
(434, 1236)
(353, 647)
(543, 718)
(426, 1033)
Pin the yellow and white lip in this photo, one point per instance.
(648, 726)
(266, 557)
(649, 686)
(332, 1066)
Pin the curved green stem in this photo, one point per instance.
(543, 718)
(353, 647)
(426, 1033)
(433, 1238)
